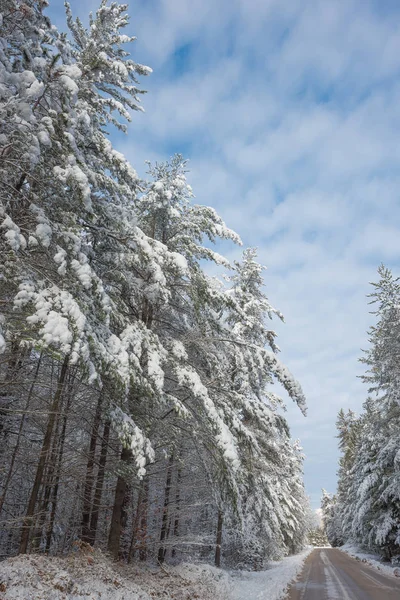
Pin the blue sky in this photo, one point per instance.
(289, 113)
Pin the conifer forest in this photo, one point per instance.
(142, 393)
(366, 508)
(137, 412)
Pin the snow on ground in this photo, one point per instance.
(372, 559)
(91, 576)
(271, 584)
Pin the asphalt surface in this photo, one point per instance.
(330, 574)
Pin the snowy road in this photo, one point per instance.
(329, 574)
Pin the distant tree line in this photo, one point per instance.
(366, 508)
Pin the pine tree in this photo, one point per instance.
(368, 504)
(138, 387)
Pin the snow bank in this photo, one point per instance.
(86, 575)
(91, 576)
(373, 560)
(78, 577)
(271, 584)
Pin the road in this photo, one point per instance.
(330, 574)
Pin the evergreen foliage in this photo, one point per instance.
(136, 409)
(366, 510)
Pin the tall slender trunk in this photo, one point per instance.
(48, 482)
(168, 531)
(69, 535)
(136, 521)
(88, 489)
(177, 507)
(94, 518)
(142, 533)
(28, 520)
(164, 522)
(20, 430)
(114, 538)
(219, 539)
(54, 493)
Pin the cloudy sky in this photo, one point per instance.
(289, 112)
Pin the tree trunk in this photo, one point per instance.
(135, 524)
(177, 507)
(142, 534)
(28, 520)
(58, 474)
(118, 514)
(48, 485)
(87, 494)
(219, 539)
(164, 522)
(94, 518)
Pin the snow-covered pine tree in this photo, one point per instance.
(188, 322)
(349, 429)
(272, 492)
(380, 469)
(56, 101)
(368, 500)
(195, 322)
(118, 348)
(330, 518)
